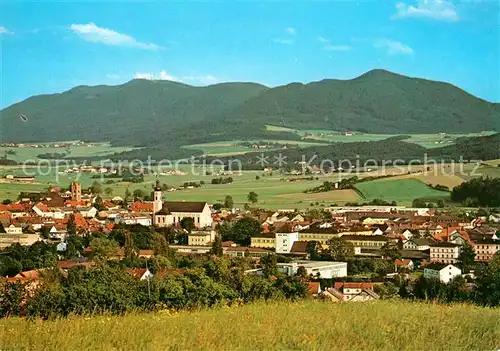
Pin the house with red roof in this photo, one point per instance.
(350, 292)
(402, 264)
(140, 273)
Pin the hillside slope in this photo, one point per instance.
(376, 102)
(128, 114)
(383, 325)
(156, 113)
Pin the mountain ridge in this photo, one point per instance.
(150, 113)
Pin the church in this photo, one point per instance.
(170, 213)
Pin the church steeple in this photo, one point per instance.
(157, 198)
(157, 186)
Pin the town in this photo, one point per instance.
(345, 253)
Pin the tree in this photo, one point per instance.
(419, 203)
(391, 251)
(228, 201)
(187, 223)
(253, 197)
(71, 226)
(45, 232)
(269, 265)
(104, 248)
(95, 188)
(138, 194)
(466, 258)
(129, 248)
(98, 204)
(242, 231)
(302, 274)
(487, 282)
(217, 246)
(160, 244)
(108, 191)
(312, 250)
(340, 250)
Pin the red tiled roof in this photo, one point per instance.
(42, 207)
(74, 203)
(139, 206)
(146, 252)
(402, 263)
(352, 285)
(136, 272)
(314, 287)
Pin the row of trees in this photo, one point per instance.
(107, 288)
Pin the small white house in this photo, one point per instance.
(445, 273)
(14, 229)
(284, 242)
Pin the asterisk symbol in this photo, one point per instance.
(262, 160)
(280, 160)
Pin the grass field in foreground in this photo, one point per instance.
(307, 325)
(399, 190)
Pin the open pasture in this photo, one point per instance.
(431, 140)
(403, 191)
(22, 154)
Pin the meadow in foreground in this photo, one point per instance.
(306, 325)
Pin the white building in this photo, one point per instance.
(444, 252)
(284, 242)
(444, 273)
(325, 269)
(170, 213)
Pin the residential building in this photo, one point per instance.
(444, 252)
(486, 247)
(350, 292)
(420, 244)
(140, 273)
(263, 241)
(321, 269)
(445, 273)
(201, 237)
(403, 263)
(372, 241)
(284, 242)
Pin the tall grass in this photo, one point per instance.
(307, 325)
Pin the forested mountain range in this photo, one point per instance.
(162, 116)
(143, 112)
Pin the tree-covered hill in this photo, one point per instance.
(129, 114)
(170, 114)
(376, 102)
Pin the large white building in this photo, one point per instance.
(284, 242)
(323, 269)
(170, 213)
(444, 273)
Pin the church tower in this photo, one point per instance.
(157, 198)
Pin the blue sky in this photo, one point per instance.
(51, 46)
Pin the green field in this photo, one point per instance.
(425, 140)
(404, 191)
(274, 191)
(232, 147)
(305, 325)
(30, 153)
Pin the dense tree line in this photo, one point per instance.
(478, 192)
